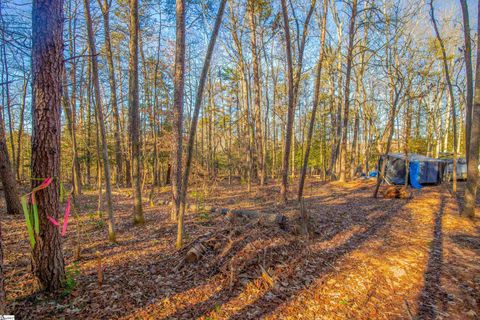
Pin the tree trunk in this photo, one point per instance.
(450, 90)
(258, 136)
(291, 106)
(469, 75)
(346, 109)
(67, 107)
(19, 160)
(178, 95)
(133, 106)
(196, 111)
(101, 122)
(10, 186)
(113, 92)
(315, 101)
(3, 296)
(6, 87)
(472, 179)
(47, 67)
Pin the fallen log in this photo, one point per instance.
(263, 219)
(195, 253)
(393, 192)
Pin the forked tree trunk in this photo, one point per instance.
(133, 104)
(196, 112)
(315, 101)
(47, 68)
(101, 123)
(472, 179)
(450, 91)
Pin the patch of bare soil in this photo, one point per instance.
(364, 258)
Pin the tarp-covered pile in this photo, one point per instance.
(423, 170)
(461, 168)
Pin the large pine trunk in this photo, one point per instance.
(472, 171)
(2, 277)
(47, 68)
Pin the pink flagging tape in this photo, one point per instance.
(53, 221)
(65, 218)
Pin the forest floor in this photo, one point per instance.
(365, 258)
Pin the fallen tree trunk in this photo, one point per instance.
(264, 219)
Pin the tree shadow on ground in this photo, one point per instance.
(324, 258)
(156, 275)
(468, 241)
(432, 296)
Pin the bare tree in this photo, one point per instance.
(105, 6)
(252, 7)
(467, 52)
(133, 107)
(450, 91)
(316, 99)
(178, 95)
(291, 106)
(101, 122)
(346, 104)
(196, 110)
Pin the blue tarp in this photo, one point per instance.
(427, 170)
(415, 175)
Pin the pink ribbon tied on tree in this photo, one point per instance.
(65, 218)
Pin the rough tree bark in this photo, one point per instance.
(472, 178)
(47, 67)
(134, 113)
(3, 296)
(101, 123)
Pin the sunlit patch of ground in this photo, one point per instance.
(365, 258)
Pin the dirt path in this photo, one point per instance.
(366, 259)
